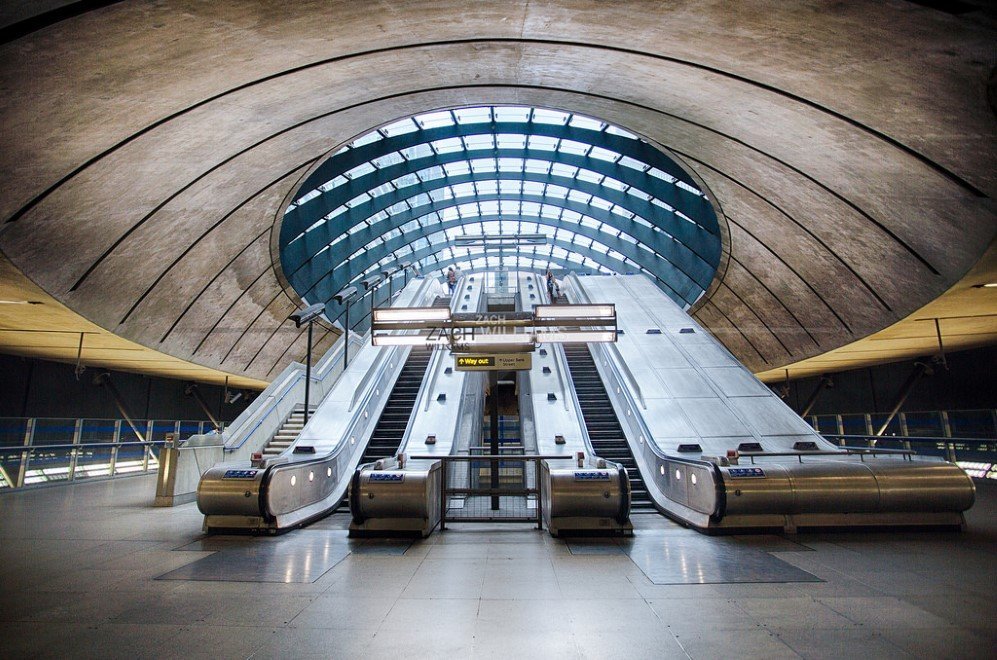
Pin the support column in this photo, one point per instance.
(920, 369)
(823, 382)
(494, 435)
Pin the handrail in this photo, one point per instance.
(628, 374)
(375, 369)
(912, 438)
(379, 368)
(518, 457)
(326, 364)
(437, 356)
(562, 379)
(632, 381)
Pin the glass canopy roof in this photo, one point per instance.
(606, 201)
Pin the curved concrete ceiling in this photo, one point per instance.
(148, 149)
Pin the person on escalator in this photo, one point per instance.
(550, 285)
(451, 279)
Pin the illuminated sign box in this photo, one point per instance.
(500, 362)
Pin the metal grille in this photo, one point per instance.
(468, 495)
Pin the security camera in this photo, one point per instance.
(309, 313)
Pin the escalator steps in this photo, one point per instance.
(390, 428)
(601, 422)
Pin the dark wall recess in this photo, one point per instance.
(40, 388)
(969, 383)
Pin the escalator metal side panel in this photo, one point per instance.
(439, 405)
(297, 488)
(551, 417)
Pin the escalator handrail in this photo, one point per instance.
(611, 364)
(612, 347)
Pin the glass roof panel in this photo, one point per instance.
(399, 128)
(435, 119)
(579, 121)
(473, 115)
(407, 173)
(510, 114)
(542, 116)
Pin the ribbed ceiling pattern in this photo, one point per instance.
(151, 149)
(606, 201)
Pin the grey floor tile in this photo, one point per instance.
(797, 612)
(702, 614)
(834, 644)
(647, 644)
(726, 643)
(316, 643)
(884, 612)
(943, 643)
(344, 612)
(494, 642)
(81, 577)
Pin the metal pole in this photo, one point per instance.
(193, 392)
(825, 381)
(540, 496)
(443, 495)
(494, 416)
(308, 370)
(941, 346)
(105, 380)
(920, 369)
(346, 336)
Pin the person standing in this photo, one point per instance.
(451, 279)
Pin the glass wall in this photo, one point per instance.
(39, 450)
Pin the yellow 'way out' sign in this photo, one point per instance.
(499, 362)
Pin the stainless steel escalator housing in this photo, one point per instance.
(292, 489)
(593, 499)
(573, 503)
(800, 489)
(393, 498)
(387, 500)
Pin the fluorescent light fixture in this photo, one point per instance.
(582, 336)
(409, 340)
(395, 314)
(574, 311)
(497, 338)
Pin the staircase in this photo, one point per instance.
(288, 432)
(394, 419)
(603, 426)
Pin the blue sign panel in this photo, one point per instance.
(240, 474)
(387, 476)
(591, 476)
(745, 472)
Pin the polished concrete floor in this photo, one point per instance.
(79, 568)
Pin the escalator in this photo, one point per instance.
(394, 419)
(603, 427)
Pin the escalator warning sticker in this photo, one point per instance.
(240, 474)
(746, 472)
(591, 476)
(387, 476)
